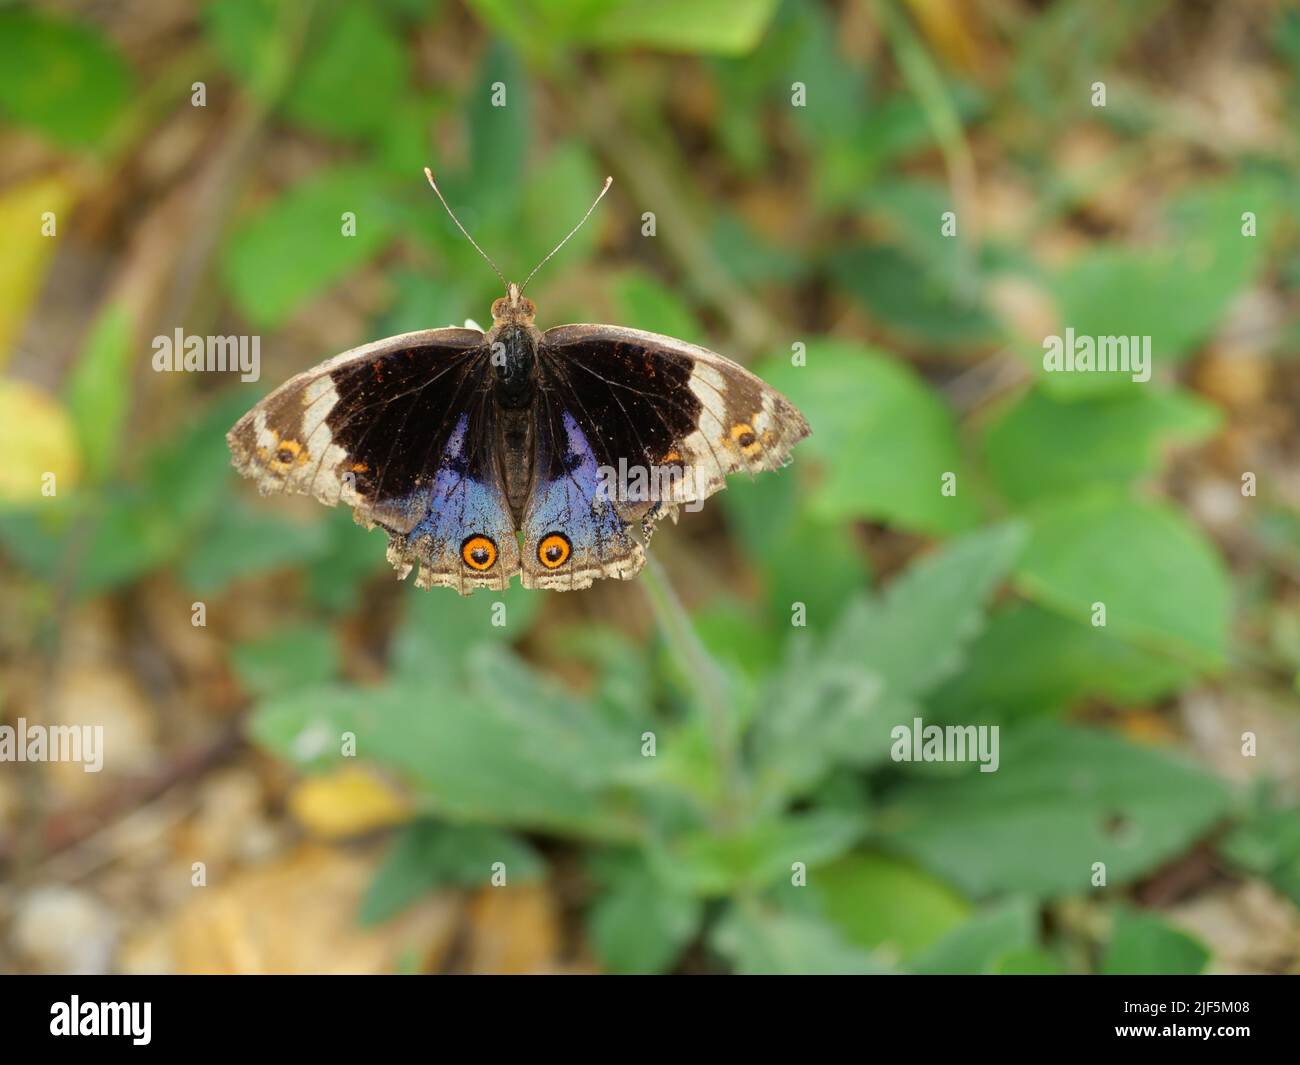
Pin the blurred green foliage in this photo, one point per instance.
(771, 741)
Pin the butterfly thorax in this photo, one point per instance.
(513, 341)
(514, 364)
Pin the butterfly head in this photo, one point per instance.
(514, 308)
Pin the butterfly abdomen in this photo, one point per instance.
(515, 450)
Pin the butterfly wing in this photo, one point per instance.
(573, 530)
(400, 430)
(620, 404)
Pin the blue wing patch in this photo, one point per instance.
(574, 529)
(460, 531)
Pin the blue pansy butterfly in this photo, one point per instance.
(485, 455)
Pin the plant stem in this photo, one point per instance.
(710, 690)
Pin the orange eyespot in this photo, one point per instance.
(287, 453)
(744, 435)
(479, 553)
(553, 552)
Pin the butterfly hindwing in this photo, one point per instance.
(462, 535)
(573, 532)
(400, 430)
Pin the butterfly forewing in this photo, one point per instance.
(654, 400)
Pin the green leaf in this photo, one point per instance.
(438, 631)
(1143, 945)
(422, 303)
(732, 632)
(981, 943)
(404, 143)
(1027, 961)
(428, 855)
(753, 259)
(557, 194)
(836, 101)
(353, 74)
(912, 637)
(819, 711)
(895, 127)
(243, 540)
(766, 942)
(1267, 844)
(912, 299)
(713, 862)
(99, 389)
(295, 656)
(1042, 447)
(257, 41)
(902, 438)
(801, 558)
(637, 922)
(1176, 293)
(911, 210)
(837, 705)
(726, 27)
(836, 85)
(131, 536)
(294, 247)
(188, 473)
(1162, 584)
(61, 78)
(877, 901)
(1060, 800)
(645, 302)
(498, 134)
(625, 685)
(350, 555)
(507, 747)
(1031, 661)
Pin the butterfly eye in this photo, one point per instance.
(479, 553)
(553, 551)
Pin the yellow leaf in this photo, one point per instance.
(347, 803)
(27, 250)
(36, 439)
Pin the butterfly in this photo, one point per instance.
(550, 455)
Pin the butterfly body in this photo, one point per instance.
(489, 455)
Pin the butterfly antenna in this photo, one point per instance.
(429, 174)
(604, 189)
